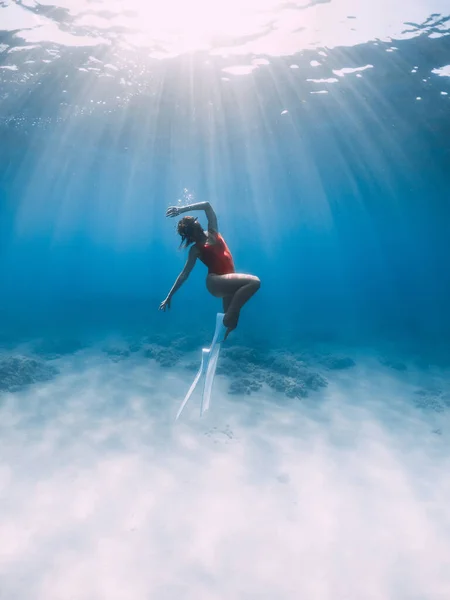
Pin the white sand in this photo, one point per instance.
(345, 495)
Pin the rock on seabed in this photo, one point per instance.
(16, 372)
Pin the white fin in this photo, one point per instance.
(208, 365)
(212, 363)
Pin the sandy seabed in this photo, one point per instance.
(341, 495)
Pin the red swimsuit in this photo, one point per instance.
(217, 257)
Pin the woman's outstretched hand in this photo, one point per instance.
(173, 211)
(165, 304)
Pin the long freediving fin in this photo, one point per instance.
(200, 372)
(208, 366)
(212, 363)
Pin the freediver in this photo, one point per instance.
(222, 281)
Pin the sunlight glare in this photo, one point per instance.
(196, 25)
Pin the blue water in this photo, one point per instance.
(340, 205)
(319, 132)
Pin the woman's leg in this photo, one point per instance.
(226, 301)
(235, 289)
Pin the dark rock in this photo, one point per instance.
(287, 385)
(117, 354)
(16, 372)
(336, 362)
(285, 364)
(243, 355)
(282, 371)
(249, 369)
(166, 357)
(313, 381)
(135, 346)
(393, 364)
(434, 399)
(193, 366)
(244, 385)
(233, 368)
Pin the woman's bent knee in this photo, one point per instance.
(227, 285)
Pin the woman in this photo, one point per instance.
(209, 246)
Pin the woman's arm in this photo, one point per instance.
(174, 211)
(190, 263)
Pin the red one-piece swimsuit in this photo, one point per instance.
(217, 257)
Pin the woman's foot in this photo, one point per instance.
(230, 321)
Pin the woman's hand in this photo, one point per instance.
(173, 211)
(165, 304)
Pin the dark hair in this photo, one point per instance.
(185, 228)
